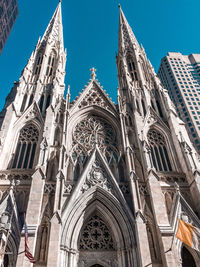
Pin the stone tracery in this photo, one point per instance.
(94, 130)
(96, 236)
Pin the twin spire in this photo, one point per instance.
(126, 35)
(54, 31)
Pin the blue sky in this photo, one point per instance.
(91, 36)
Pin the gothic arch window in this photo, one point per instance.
(38, 64)
(96, 236)
(23, 103)
(51, 64)
(26, 147)
(48, 100)
(159, 109)
(144, 108)
(132, 69)
(159, 151)
(30, 100)
(41, 102)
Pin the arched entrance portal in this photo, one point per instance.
(96, 265)
(107, 240)
(187, 258)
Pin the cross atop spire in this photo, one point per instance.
(54, 31)
(126, 35)
(93, 74)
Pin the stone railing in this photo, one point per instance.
(9, 175)
(171, 177)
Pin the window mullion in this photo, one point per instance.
(29, 158)
(24, 156)
(21, 144)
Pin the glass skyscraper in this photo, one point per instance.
(8, 15)
(180, 75)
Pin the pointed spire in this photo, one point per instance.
(54, 31)
(126, 35)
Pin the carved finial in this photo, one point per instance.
(93, 74)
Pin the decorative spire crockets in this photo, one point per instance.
(126, 36)
(54, 31)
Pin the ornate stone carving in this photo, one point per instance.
(124, 188)
(93, 130)
(174, 177)
(29, 133)
(96, 236)
(68, 188)
(94, 97)
(97, 176)
(49, 188)
(16, 175)
(32, 113)
(143, 189)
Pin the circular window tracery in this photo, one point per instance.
(94, 130)
(96, 236)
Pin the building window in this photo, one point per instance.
(26, 148)
(159, 151)
(51, 63)
(132, 70)
(38, 64)
(23, 103)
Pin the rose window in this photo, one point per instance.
(96, 236)
(93, 130)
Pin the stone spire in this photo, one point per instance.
(126, 36)
(54, 31)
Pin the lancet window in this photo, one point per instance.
(26, 148)
(96, 236)
(132, 70)
(38, 64)
(30, 100)
(159, 152)
(41, 102)
(50, 64)
(23, 103)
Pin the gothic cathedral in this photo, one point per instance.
(98, 184)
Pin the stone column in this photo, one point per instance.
(32, 215)
(161, 219)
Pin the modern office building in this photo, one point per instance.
(8, 15)
(180, 75)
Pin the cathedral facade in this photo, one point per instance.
(98, 184)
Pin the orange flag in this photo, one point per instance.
(188, 234)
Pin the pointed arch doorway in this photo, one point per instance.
(110, 242)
